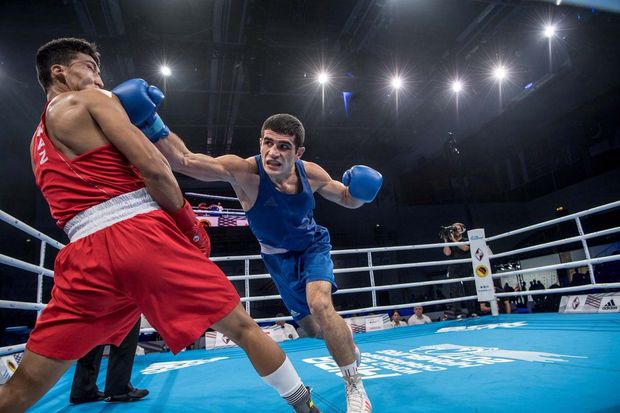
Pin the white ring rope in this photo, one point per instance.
(19, 305)
(559, 242)
(590, 211)
(373, 288)
(217, 197)
(4, 259)
(29, 230)
(206, 212)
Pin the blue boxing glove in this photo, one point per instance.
(363, 182)
(141, 101)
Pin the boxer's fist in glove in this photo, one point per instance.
(192, 228)
(363, 182)
(141, 101)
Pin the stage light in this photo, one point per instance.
(457, 86)
(165, 70)
(396, 83)
(323, 78)
(549, 31)
(500, 73)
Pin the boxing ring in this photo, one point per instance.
(508, 362)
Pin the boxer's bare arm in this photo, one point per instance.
(329, 188)
(111, 119)
(200, 166)
(241, 173)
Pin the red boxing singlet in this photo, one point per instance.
(72, 186)
(115, 269)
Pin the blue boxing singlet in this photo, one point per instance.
(282, 222)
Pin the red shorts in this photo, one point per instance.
(142, 265)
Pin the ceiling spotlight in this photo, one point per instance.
(457, 86)
(500, 73)
(323, 78)
(549, 30)
(396, 82)
(165, 70)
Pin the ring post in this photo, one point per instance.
(586, 250)
(481, 266)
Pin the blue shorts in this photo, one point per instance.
(292, 270)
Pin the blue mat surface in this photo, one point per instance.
(511, 363)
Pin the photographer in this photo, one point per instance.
(456, 233)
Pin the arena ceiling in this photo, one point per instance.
(236, 62)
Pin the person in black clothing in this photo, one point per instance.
(458, 270)
(117, 385)
(509, 289)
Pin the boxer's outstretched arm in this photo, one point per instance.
(200, 166)
(329, 188)
(107, 111)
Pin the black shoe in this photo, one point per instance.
(133, 395)
(97, 397)
(306, 405)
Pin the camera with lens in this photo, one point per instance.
(446, 232)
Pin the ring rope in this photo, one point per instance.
(218, 197)
(38, 269)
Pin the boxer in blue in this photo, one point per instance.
(276, 189)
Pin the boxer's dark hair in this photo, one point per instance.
(285, 124)
(61, 52)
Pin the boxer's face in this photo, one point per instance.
(81, 73)
(279, 153)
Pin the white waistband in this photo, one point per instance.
(110, 212)
(269, 250)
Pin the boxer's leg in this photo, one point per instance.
(33, 378)
(339, 341)
(240, 328)
(313, 329)
(333, 329)
(267, 358)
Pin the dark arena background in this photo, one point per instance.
(502, 115)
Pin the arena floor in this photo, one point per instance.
(512, 363)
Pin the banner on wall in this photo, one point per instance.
(363, 324)
(374, 323)
(590, 303)
(8, 365)
(215, 339)
(224, 221)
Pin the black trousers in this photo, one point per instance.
(118, 375)
(461, 289)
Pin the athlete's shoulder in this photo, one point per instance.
(235, 162)
(237, 167)
(315, 171)
(79, 97)
(251, 165)
(95, 95)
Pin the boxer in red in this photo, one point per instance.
(135, 244)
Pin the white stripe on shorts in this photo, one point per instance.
(269, 250)
(110, 212)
